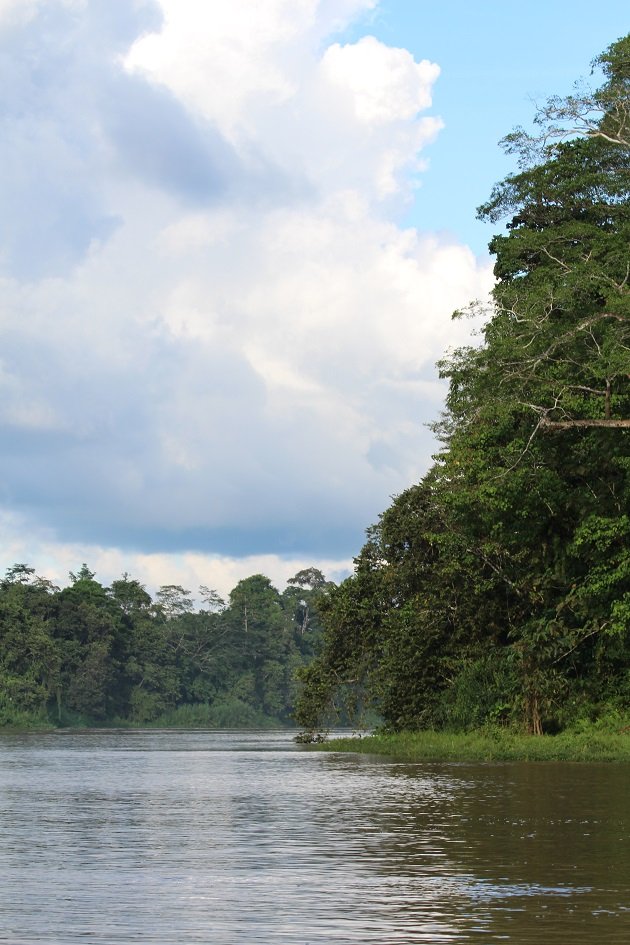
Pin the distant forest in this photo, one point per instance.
(89, 654)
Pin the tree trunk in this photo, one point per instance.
(532, 708)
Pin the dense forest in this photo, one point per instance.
(89, 654)
(497, 590)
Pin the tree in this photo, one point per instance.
(29, 658)
(148, 681)
(173, 600)
(300, 598)
(600, 113)
(558, 343)
(499, 587)
(211, 598)
(258, 632)
(555, 360)
(89, 629)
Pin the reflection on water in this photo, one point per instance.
(230, 838)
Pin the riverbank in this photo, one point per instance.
(221, 714)
(590, 744)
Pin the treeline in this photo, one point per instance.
(497, 590)
(90, 654)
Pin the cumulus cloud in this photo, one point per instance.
(336, 115)
(235, 63)
(384, 85)
(217, 339)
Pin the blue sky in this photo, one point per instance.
(497, 61)
(232, 238)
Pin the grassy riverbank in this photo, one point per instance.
(593, 743)
(221, 714)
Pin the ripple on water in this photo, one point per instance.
(162, 837)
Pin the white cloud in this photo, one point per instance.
(339, 116)
(220, 341)
(383, 84)
(228, 60)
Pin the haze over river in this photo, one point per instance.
(118, 837)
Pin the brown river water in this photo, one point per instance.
(119, 837)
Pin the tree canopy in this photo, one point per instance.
(498, 588)
(91, 654)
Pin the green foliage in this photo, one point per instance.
(480, 693)
(498, 588)
(30, 661)
(12, 716)
(90, 654)
(227, 712)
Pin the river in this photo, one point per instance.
(122, 837)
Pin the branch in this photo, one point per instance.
(624, 142)
(585, 325)
(478, 553)
(510, 469)
(579, 642)
(571, 424)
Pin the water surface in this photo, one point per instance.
(121, 837)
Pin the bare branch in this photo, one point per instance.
(547, 424)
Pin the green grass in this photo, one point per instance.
(588, 744)
(16, 720)
(227, 713)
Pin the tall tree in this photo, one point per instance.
(501, 585)
(30, 662)
(89, 630)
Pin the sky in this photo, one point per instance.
(232, 237)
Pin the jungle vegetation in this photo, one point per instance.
(497, 589)
(88, 654)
